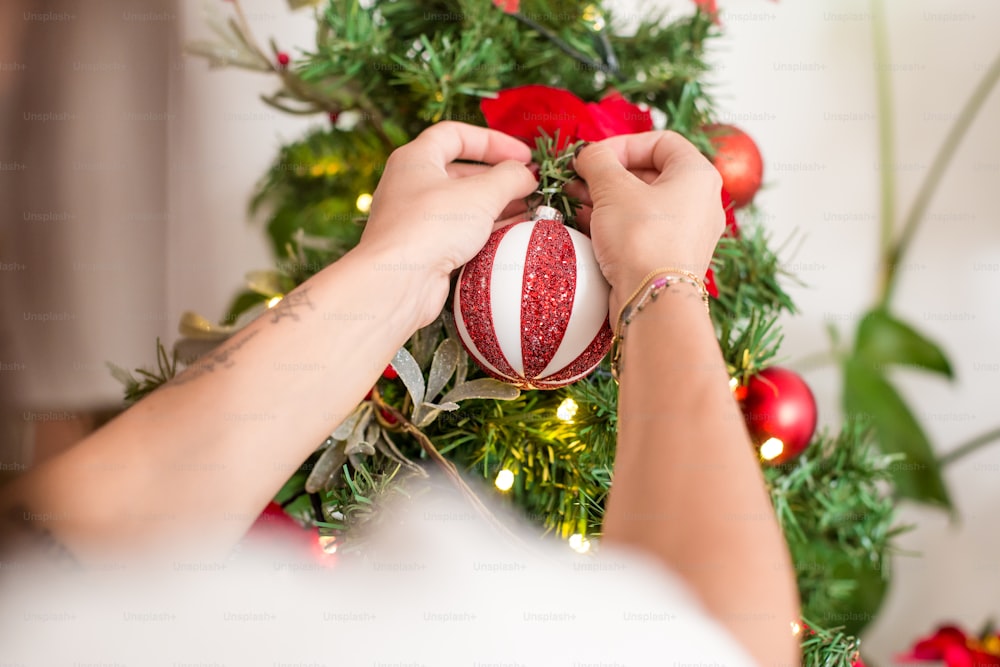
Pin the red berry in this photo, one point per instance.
(713, 289)
(283, 59)
(732, 228)
(387, 416)
(390, 373)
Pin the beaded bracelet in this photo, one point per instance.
(650, 288)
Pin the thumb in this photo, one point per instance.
(599, 166)
(503, 183)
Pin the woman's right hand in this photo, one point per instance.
(651, 201)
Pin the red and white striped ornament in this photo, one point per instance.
(532, 307)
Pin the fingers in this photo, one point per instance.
(652, 150)
(600, 165)
(464, 169)
(448, 141)
(579, 189)
(501, 184)
(459, 170)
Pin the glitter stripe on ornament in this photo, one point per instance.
(589, 307)
(547, 291)
(584, 364)
(463, 337)
(476, 307)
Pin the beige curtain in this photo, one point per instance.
(83, 191)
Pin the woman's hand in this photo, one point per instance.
(432, 215)
(651, 201)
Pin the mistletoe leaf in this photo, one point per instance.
(482, 388)
(327, 469)
(409, 372)
(442, 367)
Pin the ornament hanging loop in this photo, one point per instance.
(546, 213)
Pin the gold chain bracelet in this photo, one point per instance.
(650, 288)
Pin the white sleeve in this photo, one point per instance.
(437, 587)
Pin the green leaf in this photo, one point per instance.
(870, 398)
(883, 340)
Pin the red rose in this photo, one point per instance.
(707, 6)
(509, 6)
(951, 645)
(526, 111)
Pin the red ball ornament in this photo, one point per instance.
(532, 307)
(738, 160)
(780, 414)
(283, 59)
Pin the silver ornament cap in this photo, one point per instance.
(546, 213)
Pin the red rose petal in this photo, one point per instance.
(615, 115)
(521, 112)
(509, 6)
(525, 111)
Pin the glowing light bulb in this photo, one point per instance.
(733, 384)
(567, 410)
(364, 202)
(796, 628)
(593, 16)
(274, 301)
(771, 449)
(579, 543)
(504, 480)
(328, 543)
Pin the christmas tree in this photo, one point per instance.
(383, 71)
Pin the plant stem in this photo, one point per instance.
(449, 469)
(569, 50)
(886, 142)
(969, 447)
(938, 167)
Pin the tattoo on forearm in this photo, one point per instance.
(221, 357)
(292, 305)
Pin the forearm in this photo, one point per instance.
(687, 486)
(198, 459)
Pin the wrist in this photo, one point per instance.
(634, 283)
(415, 291)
